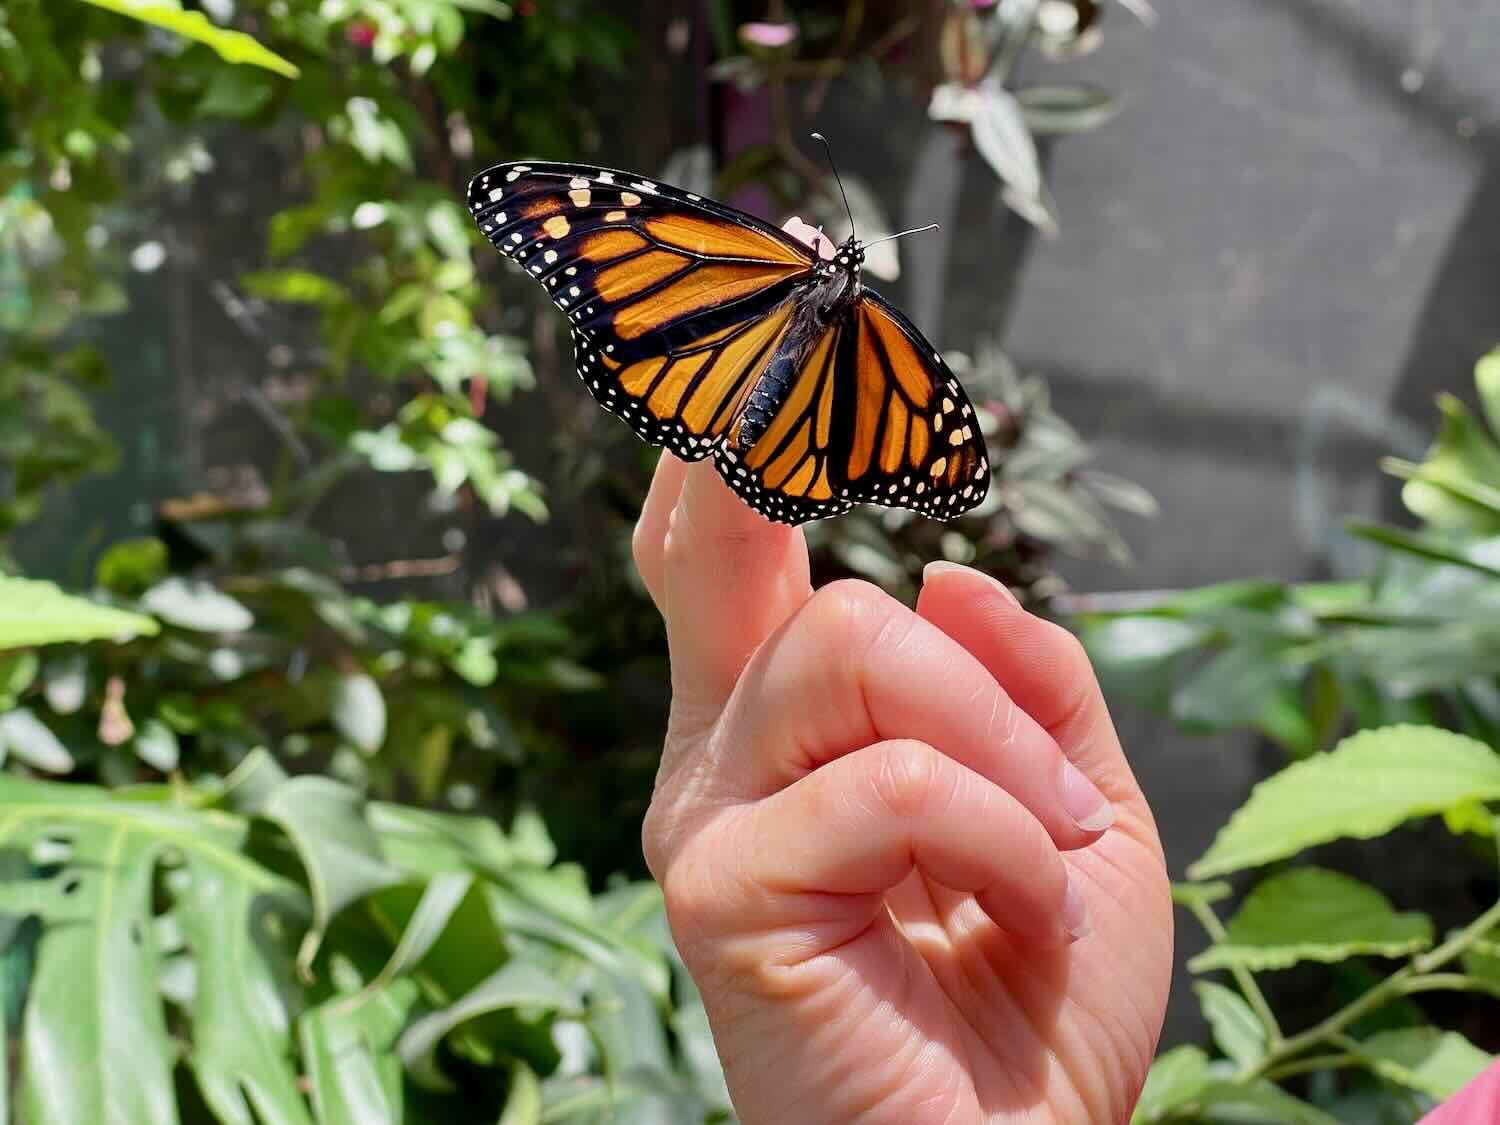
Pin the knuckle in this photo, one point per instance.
(644, 547)
(909, 779)
(654, 841)
(684, 894)
(676, 541)
(847, 610)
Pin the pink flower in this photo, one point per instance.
(810, 236)
(361, 33)
(771, 36)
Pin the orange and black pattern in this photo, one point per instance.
(678, 306)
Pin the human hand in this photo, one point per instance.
(884, 838)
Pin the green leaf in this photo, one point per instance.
(132, 566)
(231, 46)
(1438, 1063)
(358, 710)
(156, 744)
(523, 1101)
(1238, 687)
(1423, 546)
(1236, 1030)
(18, 671)
(38, 613)
(28, 739)
(642, 1096)
(1312, 914)
(298, 287)
(241, 1018)
(440, 899)
(94, 1045)
(339, 850)
(1257, 1103)
(1463, 454)
(350, 1055)
(1487, 381)
(1140, 655)
(1052, 110)
(1176, 1079)
(1364, 787)
(196, 605)
(515, 985)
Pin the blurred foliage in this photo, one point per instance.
(965, 63)
(270, 797)
(1383, 692)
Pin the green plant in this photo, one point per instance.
(188, 951)
(1393, 658)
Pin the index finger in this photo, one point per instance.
(728, 578)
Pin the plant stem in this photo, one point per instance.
(1313, 1064)
(1459, 942)
(1242, 976)
(1417, 976)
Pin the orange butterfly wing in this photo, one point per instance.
(676, 302)
(873, 415)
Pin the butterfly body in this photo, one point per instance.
(829, 294)
(712, 333)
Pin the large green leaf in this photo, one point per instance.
(349, 1052)
(1364, 787)
(338, 848)
(1437, 1062)
(94, 1041)
(244, 1003)
(1312, 914)
(38, 613)
(232, 46)
(516, 986)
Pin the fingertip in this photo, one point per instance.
(942, 578)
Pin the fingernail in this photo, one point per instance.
(1083, 801)
(942, 566)
(1075, 913)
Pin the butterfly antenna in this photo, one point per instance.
(821, 139)
(901, 234)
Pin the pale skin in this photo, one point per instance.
(903, 854)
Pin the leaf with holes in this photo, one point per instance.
(94, 1040)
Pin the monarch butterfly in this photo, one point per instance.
(711, 332)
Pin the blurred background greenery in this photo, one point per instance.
(323, 804)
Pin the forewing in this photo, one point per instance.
(673, 298)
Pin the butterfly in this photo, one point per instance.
(712, 333)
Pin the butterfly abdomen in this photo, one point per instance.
(768, 395)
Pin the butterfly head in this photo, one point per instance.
(850, 256)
